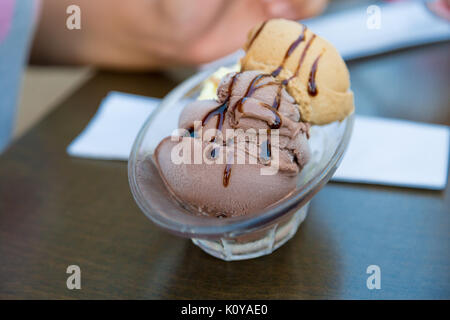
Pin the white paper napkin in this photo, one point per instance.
(396, 152)
(111, 132)
(381, 151)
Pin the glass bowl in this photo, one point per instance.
(234, 238)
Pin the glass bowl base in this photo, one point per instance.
(254, 245)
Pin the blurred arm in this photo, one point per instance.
(150, 34)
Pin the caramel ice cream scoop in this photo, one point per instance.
(310, 67)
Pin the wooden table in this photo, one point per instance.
(57, 211)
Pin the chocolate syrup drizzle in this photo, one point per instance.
(289, 51)
(226, 175)
(253, 86)
(284, 83)
(221, 110)
(302, 57)
(312, 87)
(276, 72)
(256, 34)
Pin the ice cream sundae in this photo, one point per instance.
(241, 151)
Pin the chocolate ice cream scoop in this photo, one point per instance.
(252, 144)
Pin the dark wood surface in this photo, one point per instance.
(57, 211)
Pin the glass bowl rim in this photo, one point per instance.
(234, 225)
